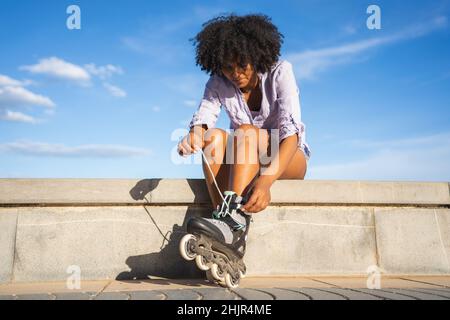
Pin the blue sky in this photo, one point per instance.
(104, 101)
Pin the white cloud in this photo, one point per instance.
(414, 159)
(7, 81)
(311, 62)
(115, 91)
(60, 150)
(17, 117)
(103, 72)
(13, 94)
(16, 96)
(58, 68)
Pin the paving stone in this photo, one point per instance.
(441, 292)
(112, 296)
(437, 294)
(146, 295)
(353, 294)
(385, 294)
(39, 296)
(253, 294)
(416, 294)
(217, 294)
(321, 294)
(74, 295)
(181, 294)
(286, 294)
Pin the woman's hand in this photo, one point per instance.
(190, 144)
(260, 198)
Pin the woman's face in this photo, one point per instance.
(240, 75)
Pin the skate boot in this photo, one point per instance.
(218, 244)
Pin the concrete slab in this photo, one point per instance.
(103, 191)
(369, 192)
(130, 243)
(409, 241)
(443, 220)
(8, 225)
(291, 237)
(188, 191)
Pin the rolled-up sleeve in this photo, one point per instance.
(288, 100)
(209, 109)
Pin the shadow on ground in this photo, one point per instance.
(151, 266)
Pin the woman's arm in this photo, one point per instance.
(289, 132)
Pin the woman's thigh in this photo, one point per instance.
(296, 168)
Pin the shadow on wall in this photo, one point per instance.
(167, 263)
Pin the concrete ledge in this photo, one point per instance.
(129, 229)
(194, 191)
(8, 226)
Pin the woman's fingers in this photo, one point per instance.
(181, 150)
(251, 204)
(186, 146)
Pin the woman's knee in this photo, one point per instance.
(215, 135)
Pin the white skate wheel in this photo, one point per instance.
(217, 273)
(185, 249)
(200, 261)
(230, 282)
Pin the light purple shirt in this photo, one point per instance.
(280, 106)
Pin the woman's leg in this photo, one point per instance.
(244, 175)
(297, 167)
(214, 149)
(246, 166)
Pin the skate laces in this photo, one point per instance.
(229, 208)
(225, 209)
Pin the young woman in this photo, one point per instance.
(261, 97)
(259, 94)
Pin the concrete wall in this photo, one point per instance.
(129, 229)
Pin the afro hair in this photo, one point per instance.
(245, 39)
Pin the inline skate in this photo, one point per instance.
(218, 244)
